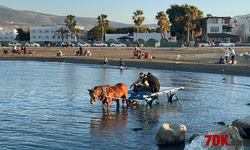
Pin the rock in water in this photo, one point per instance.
(170, 134)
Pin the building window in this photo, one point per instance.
(53, 37)
(236, 25)
(6, 38)
(11, 38)
(213, 20)
(227, 30)
(40, 31)
(46, 31)
(46, 37)
(52, 31)
(33, 37)
(214, 29)
(40, 37)
(1, 37)
(33, 31)
(227, 21)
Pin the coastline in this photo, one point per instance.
(191, 59)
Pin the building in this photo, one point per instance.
(141, 37)
(241, 27)
(8, 35)
(47, 33)
(218, 29)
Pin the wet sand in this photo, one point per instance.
(190, 59)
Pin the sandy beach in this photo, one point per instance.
(191, 59)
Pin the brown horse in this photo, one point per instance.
(104, 93)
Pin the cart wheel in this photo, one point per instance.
(131, 102)
(174, 99)
(153, 102)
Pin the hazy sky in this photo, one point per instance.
(122, 11)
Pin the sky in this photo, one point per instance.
(122, 11)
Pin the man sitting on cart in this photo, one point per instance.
(139, 82)
(153, 83)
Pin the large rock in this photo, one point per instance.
(170, 134)
(234, 137)
(244, 124)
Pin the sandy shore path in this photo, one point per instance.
(191, 59)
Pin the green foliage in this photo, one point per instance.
(22, 35)
(183, 17)
(95, 33)
(138, 20)
(102, 22)
(70, 23)
(61, 32)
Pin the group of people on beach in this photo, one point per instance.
(146, 83)
(21, 51)
(224, 60)
(137, 54)
(80, 52)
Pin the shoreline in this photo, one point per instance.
(199, 60)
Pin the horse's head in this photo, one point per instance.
(94, 94)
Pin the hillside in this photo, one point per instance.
(11, 18)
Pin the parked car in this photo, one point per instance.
(206, 44)
(49, 43)
(14, 43)
(83, 44)
(117, 44)
(226, 44)
(133, 44)
(99, 44)
(33, 44)
(67, 44)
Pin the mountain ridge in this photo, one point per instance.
(11, 18)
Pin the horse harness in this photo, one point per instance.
(104, 92)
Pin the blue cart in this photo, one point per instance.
(152, 99)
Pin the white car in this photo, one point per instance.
(99, 44)
(33, 44)
(66, 44)
(206, 44)
(222, 44)
(117, 44)
(83, 44)
(14, 43)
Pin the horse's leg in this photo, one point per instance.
(122, 102)
(108, 101)
(103, 105)
(117, 103)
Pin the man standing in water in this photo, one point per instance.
(121, 63)
(105, 61)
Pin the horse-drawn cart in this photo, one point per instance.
(152, 99)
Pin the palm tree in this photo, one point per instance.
(138, 20)
(79, 33)
(162, 20)
(70, 23)
(166, 29)
(192, 14)
(61, 32)
(102, 22)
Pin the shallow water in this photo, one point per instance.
(45, 105)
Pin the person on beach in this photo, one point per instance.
(80, 51)
(226, 54)
(233, 55)
(121, 63)
(87, 53)
(105, 61)
(221, 61)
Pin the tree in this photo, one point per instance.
(95, 33)
(138, 20)
(70, 23)
(102, 22)
(62, 32)
(163, 23)
(22, 35)
(181, 17)
(79, 33)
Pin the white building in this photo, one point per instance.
(218, 29)
(47, 33)
(8, 35)
(141, 37)
(241, 27)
